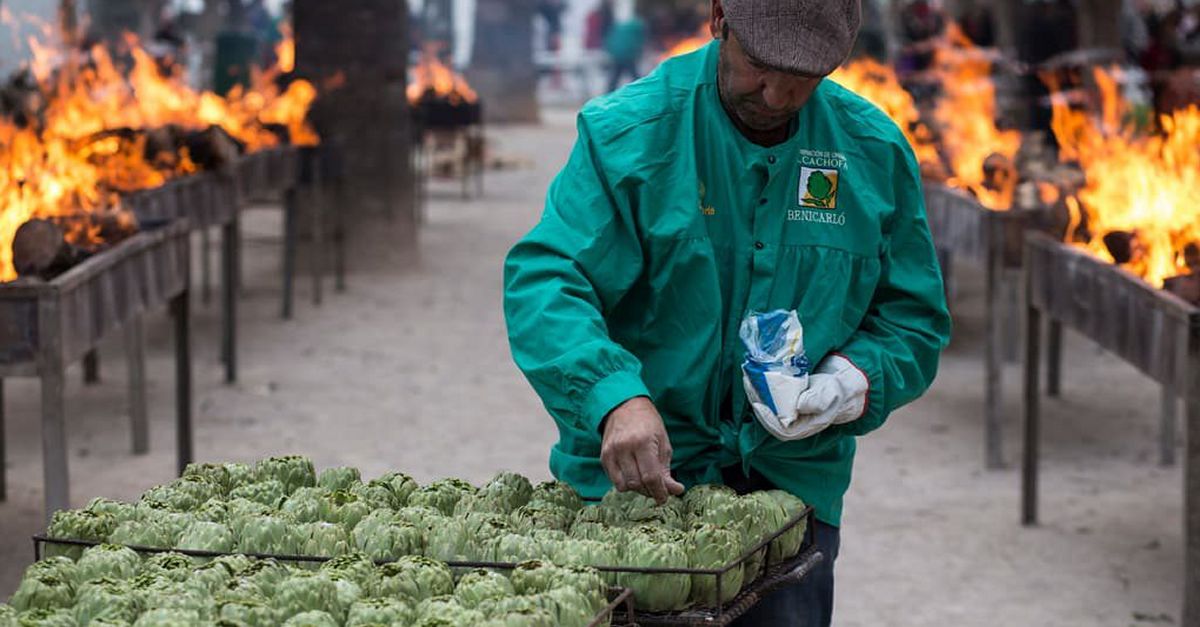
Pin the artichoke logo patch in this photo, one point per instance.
(818, 188)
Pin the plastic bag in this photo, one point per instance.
(775, 372)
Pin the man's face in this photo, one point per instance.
(762, 99)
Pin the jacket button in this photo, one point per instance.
(771, 159)
(759, 245)
(762, 201)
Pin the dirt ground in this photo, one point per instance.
(410, 370)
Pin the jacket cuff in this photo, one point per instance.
(608, 394)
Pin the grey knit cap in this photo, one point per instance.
(808, 37)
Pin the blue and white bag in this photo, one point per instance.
(775, 372)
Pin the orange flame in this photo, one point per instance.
(690, 44)
(85, 138)
(431, 75)
(1147, 186)
(878, 84)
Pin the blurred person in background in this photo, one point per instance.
(922, 22)
(599, 23)
(978, 23)
(732, 180)
(872, 39)
(625, 44)
(551, 11)
(1049, 29)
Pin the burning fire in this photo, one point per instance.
(1143, 187)
(691, 44)
(430, 75)
(968, 149)
(80, 135)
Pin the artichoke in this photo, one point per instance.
(415, 578)
(213, 510)
(60, 567)
(216, 474)
(105, 598)
(168, 617)
(712, 548)
(348, 592)
(303, 505)
(314, 618)
(141, 533)
(43, 591)
(572, 608)
(636, 509)
(8, 616)
(236, 563)
(248, 613)
(578, 552)
(107, 560)
(447, 540)
(267, 573)
(513, 548)
(483, 503)
(650, 547)
(535, 576)
(210, 578)
(703, 498)
(121, 512)
(789, 544)
(338, 478)
(542, 515)
(401, 485)
(375, 494)
(587, 581)
(173, 524)
(184, 597)
(239, 510)
(388, 540)
(46, 618)
(268, 535)
(482, 532)
(380, 611)
(185, 494)
(479, 585)
(293, 471)
(241, 590)
(78, 525)
(512, 489)
(442, 495)
(423, 518)
(358, 567)
(171, 566)
(557, 493)
(270, 493)
(343, 508)
(739, 514)
(322, 539)
(207, 536)
(306, 592)
(525, 617)
(446, 610)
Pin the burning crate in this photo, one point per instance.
(45, 325)
(1151, 329)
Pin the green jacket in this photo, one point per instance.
(667, 227)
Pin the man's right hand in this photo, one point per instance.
(636, 452)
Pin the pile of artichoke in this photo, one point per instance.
(282, 507)
(112, 585)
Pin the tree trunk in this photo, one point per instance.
(502, 69)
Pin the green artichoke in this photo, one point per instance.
(270, 493)
(210, 578)
(248, 613)
(235, 562)
(401, 485)
(510, 488)
(267, 573)
(572, 608)
(541, 515)
(527, 617)
(141, 533)
(557, 493)
(348, 592)
(446, 610)
(43, 592)
(173, 524)
(8, 616)
(60, 567)
(358, 567)
(636, 509)
(322, 539)
(185, 597)
(47, 618)
(742, 515)
(107, 560)
(213, 510)
(512, 548)
(207, 536)
(306, 592)
(712, 548)
(447, 540)
(376, 495)
(293, 471)
(339, 478)
(423, 518)
(172, 566)
(388, 540)
(651, 547)
(78, 525)
(216, 474)
(239, 510)
(379, 611)
(121, 512)
(415, 578)
(479, 585)
(168, 617)
(788, 545)
(703, 498)
(442, 495)
(240, 474)
(314, 618)
(303, 505)
(105, 598)
(268, 535)
(241, 589)
(535, 576)
(343, 508)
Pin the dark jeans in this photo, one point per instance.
(806, 604)
(620, 69)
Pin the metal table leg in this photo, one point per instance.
(3, 450)
(1029, 467)
(205, 266)
(91, 367)
(339, 232)
(289, 250)
(181, 312)
(135, 353)
(1054, 356)
(993, 366)
(229, 287)
(1191, 484)
(316, 195)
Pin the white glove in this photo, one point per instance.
(837, 394)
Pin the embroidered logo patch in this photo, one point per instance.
(819, 187)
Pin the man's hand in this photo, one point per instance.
(636, 452)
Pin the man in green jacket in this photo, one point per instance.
(730, 181)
